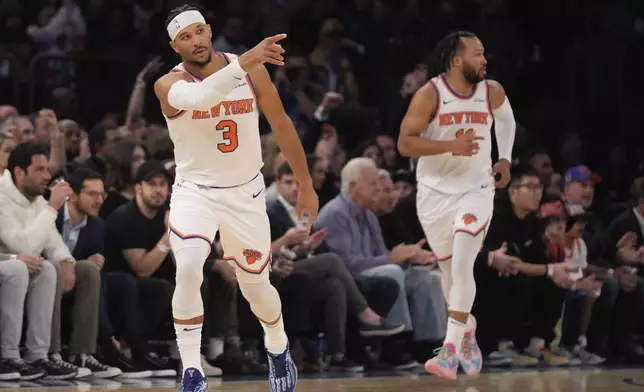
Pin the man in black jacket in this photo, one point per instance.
(624, 245)
(84, 234)
(514, 282)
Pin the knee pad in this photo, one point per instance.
(186, 301)
(190, 261)
(254, 292)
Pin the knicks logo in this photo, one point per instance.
(469, 218)
(251, 256)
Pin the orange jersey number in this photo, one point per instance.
(461, 132)
(230, 142)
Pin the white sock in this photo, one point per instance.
(455, 333)
(275, 339)
(215, 347)
(189, 343)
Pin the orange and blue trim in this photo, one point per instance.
(176, 115)
(261, 269)
(195, 77)
(454, 93)
(473, 233)
(189, 236)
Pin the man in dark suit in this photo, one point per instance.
(624, 244)
(336, 285)
(84, 234)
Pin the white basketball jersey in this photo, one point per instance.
(218, 147)
(456, 116)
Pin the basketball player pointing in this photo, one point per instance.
(448, 126)
(211, 102)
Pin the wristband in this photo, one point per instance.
(550, 270)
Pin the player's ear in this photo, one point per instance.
(174, 47)
(457, 61)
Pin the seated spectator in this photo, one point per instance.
(404, 182)
(84, 234)
(393, 229)
(7, 143)
(22, 128)
(565, 227)
(355, 235)
(514, 244)
(160, 147)
(624, 244)
(539, 158)
(26, 278)
(26, 226)
(337, 287)
(579, 188)
(72, 135)
(102, 145)
(136, 242)
(369, 149)
(128, 157)
(323, 182)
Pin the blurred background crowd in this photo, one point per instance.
(88, 269)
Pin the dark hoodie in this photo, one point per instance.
(523, 236)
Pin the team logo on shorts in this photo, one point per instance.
(469, 218)
(251, 256)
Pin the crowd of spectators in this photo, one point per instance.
(85, 185)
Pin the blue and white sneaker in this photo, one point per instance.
(193, 381)
(282, 375)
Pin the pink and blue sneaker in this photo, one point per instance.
(470, 353)
(445, 364)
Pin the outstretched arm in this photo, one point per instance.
(175, 91)
(504, 123)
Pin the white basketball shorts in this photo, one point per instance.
(442, 215)
(238, 213)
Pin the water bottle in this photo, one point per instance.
(321, 348)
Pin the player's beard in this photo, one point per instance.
(201, 64)
(471, 74)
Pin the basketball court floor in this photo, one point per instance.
(547, 380)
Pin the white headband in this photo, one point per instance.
(184, 20)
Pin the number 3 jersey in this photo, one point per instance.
(455, 117)
(218, 146)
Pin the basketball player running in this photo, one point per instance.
(448, 126)
(211, 102)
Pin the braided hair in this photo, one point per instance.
(445, 51)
